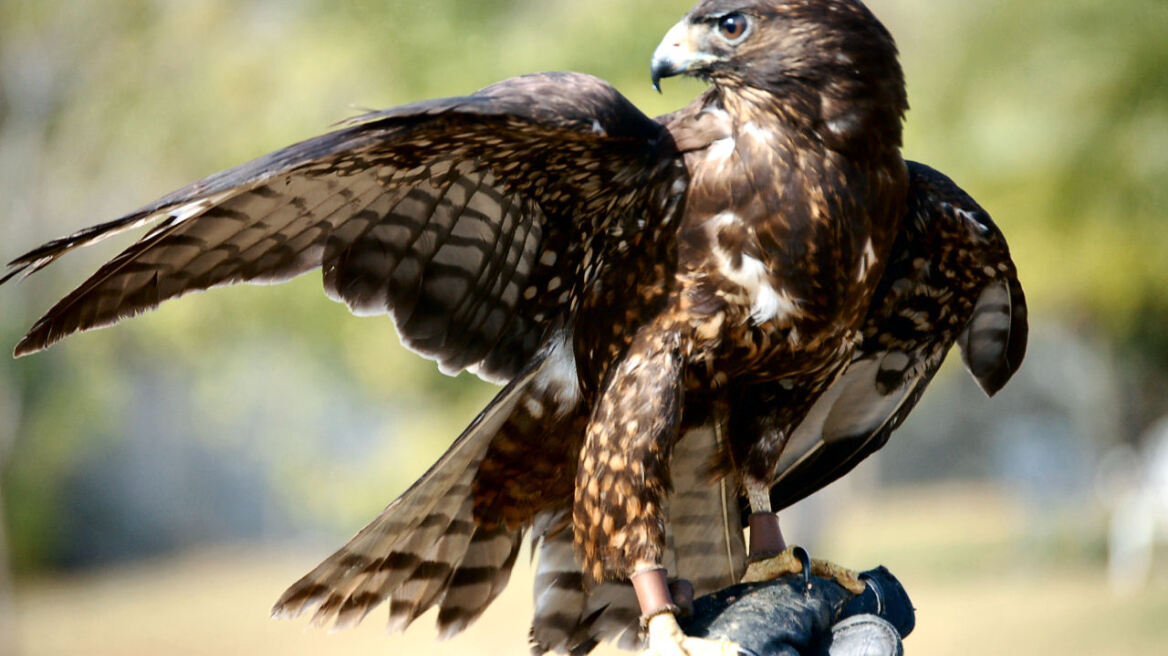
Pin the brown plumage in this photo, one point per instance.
(950, 280)
(709, 273)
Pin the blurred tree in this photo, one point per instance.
(1056, 113)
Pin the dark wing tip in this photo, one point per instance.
(1010, 360)
(38, 338)
(993, 343)
(27, 346)
(992, 382)
(12, 274)
(35, 260)
(298, 598)
(53, 327)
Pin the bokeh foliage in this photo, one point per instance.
(1053, 113)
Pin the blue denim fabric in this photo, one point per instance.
(793, 616)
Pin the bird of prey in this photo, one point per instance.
(708, 274)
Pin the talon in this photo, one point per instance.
(795, 560)
(805, 561)
(847, 578)
(768, 568)
(667, 639)
(874, 586)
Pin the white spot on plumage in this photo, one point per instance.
(967, 215)
(867, 260)
(558, 374)
(769, 303)
(174, 216)
(721, 150)
(718, 113)
(534, 407)
(766, 302)
(756, 132)
(723, 219)
(972, 218)
(844, 125)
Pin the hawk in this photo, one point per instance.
(752, 290)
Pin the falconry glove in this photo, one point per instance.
(813, 617)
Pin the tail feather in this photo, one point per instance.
(611, 613)
(354, 593)
(415, 559)
(559, 584)
(411, 597)
(411, 549)
(570, 617)
(704, 524)
(479, 578)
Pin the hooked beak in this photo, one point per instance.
(677, 54)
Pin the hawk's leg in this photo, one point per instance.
(622, 481)
(770, 557)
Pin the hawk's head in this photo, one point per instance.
(830, 61)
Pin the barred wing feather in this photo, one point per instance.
(466, 219)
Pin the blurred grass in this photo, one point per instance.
(967, 557)
(955, 548)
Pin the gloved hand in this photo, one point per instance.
(793, 616)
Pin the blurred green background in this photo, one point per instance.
(161, 482)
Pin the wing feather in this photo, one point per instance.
(950, 280)
(451, 215)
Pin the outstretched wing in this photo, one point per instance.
(950, 280)
(467, 219)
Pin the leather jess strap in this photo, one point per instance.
(652, 590)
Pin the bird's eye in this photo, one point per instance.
(733, 26)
